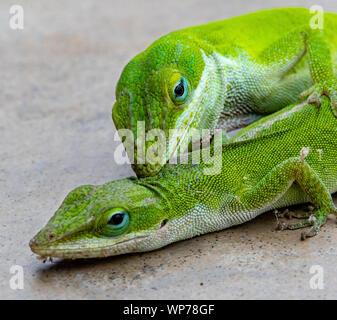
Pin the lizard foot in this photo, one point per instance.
(315, 221)
(312, 221)
(315, 93)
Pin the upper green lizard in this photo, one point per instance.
(284, 159)
(225, 75)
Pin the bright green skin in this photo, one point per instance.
(260, 63)
(263, 167)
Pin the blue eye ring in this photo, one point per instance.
(180, 90)
(117, 222)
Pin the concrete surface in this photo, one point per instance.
(57, 89)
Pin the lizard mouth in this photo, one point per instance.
(81, 249)
(171, 156)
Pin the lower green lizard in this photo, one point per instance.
(284, 159)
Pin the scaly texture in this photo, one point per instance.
(284, 159)
(225, 75)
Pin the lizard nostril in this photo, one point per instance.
(33, 243)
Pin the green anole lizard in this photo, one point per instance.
(286, 158)
(226, 75)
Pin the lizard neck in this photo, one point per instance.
(242, 79)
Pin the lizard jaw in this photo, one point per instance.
(84, 249)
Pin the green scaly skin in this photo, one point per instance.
(284, 159)
(236, 70)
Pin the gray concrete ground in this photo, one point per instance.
(57, 88)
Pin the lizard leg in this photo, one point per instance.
(321, 68)
(294, 226)
(281, 83)
(278, 181)
(298, 215)
(295, 46)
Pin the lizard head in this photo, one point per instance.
(97, 221)
(172, 85)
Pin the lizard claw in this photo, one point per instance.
(311, 233)
(280, 226)
(315, 93)
(316, 226)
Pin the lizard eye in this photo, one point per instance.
(117, 223)
(180, 90)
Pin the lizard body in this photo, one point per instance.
(283, 159)
(225, 75)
